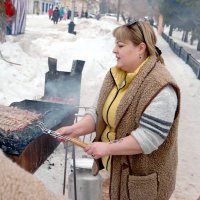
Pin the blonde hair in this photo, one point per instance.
(139, 32)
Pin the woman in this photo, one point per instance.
(136, 119)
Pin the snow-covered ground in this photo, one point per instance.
(93, 43)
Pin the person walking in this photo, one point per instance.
(62, 11)
(135, 117)
(56, 15)
(69, 13)
(50, 12)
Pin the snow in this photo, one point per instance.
(93, 43)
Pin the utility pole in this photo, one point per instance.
(71, 24)
(73, 9)
(118, 9)
(107, 6)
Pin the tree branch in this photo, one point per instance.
(3, 58)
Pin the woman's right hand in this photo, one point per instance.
(85, 126)
(66, 131)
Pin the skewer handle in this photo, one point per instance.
(78, 142)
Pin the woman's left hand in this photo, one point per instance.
(97, 149)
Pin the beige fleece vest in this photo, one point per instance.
(140, 177)
(16, 183)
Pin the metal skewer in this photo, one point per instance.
(56, 135)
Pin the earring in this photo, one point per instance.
(140, 56)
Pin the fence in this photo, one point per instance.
(184, 55)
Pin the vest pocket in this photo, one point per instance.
(142, 187)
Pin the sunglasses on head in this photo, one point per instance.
(136, 22)
(132, 22)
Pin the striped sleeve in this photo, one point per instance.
(156, 120)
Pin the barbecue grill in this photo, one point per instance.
(30, 147)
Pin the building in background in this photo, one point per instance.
(42, 6)
(39, 6)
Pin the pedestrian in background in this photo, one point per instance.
(69, 12)
(65, 15)
(62, 11)
(56, 15)
(50, 12)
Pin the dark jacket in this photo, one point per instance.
(56, 15)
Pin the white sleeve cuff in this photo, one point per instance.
(91, 111)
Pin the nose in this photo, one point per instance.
(114, 50)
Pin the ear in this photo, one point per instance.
(142, 47)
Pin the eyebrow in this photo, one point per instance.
(117, 42)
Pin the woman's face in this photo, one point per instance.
(127, 55)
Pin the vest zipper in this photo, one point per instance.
(123, 84)
(108, 155)
(111, 105)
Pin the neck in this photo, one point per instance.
(140, 62)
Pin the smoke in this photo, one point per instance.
(63, 85)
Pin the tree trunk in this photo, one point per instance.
(160, 24)
(183, 36)
(2, 22)
(170, 30)
(123, 18)
(192, 38)
(2, 30)
(118, 9)
(198, 45)
(186, 36)
(2, 37)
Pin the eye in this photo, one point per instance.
(120, 45)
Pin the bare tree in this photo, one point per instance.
(134, 8)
